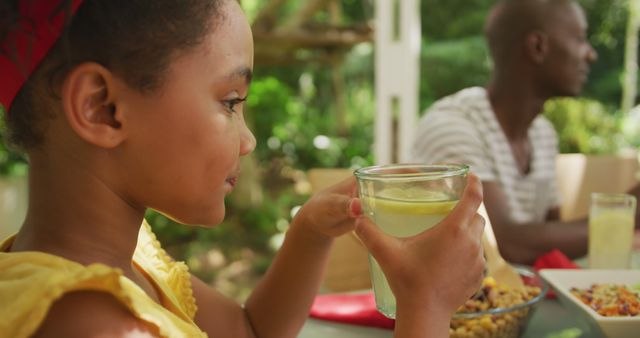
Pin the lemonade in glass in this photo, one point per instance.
(611, 223)
(404, 200)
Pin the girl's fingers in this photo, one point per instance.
(476, 227)
(343, 208)
(376, 241)
(346, 186)
(354, 207)
(465, 210)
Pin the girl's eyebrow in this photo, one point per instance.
(241, 72)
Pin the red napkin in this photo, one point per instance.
(360, 308)
(357, 309)
(554, 259)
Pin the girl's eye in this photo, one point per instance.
(230, 104)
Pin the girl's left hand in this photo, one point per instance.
(331, 212)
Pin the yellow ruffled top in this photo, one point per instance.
(30, 282)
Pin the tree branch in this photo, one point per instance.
(331, 37)
(302, 14)
(266, 18)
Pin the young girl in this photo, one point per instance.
(100, 93)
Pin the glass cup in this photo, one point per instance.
(404, 200)
(611, 223)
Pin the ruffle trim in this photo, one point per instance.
(177, 274)
(180, 281)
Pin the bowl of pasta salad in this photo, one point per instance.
(498, 310)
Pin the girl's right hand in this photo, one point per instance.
(439, 268)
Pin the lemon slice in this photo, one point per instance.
(412, 201)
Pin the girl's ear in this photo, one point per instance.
(89, 101)
(537, 46)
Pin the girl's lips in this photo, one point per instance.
(232, 181)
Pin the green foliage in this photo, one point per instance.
(585, 126)
(454, 19)
(12, 162)
(607, 28)
(631, 127)
(448, 66)
(294, 116)
(251, 8)
(357, 11)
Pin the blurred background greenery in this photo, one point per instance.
(296, 109)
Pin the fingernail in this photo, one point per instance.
(355, 208)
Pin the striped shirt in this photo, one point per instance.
(462, 128)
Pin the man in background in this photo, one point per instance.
(540, 51)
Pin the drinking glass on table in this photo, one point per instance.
(611, 224)
(404, 200)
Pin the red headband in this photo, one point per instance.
(39, 27)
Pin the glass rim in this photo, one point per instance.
(612, 197)
(437, 171)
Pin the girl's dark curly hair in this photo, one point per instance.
(135, 39)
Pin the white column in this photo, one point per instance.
(397, 71)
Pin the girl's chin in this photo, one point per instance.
(206, 220)
(206, 226)
(212, 221)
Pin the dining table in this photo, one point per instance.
(550, 319)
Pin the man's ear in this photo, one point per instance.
(89, 102)
(537, 46)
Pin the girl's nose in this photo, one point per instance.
(247, 141)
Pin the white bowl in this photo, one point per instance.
(562, 280)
